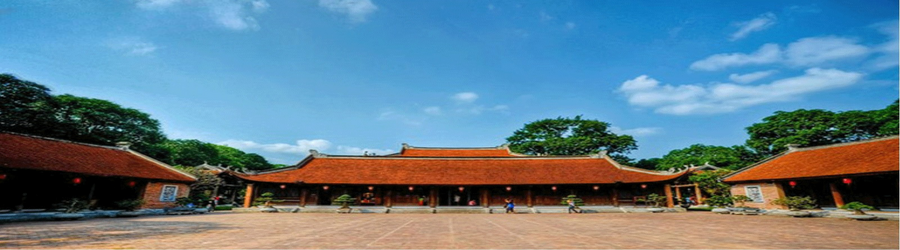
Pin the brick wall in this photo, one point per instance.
(154, 189)
(770, 192)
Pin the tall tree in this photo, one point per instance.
(103, 122)
(649, 163)
(25, 105)
(192, 152)
(698, 154)
(570, 136)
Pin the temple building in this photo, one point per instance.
(38, 172)
(864, 171)
(438, 177)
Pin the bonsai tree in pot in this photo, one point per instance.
(265, 201)
(654, 200)
(857, 208)
(739, 201)
(344, 200)
(130, 206)
(719, 203)
(70, 209)
(795, 203)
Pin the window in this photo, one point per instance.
(754, 193)
(169, 192)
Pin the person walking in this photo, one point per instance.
(510, 205)
(572, 206)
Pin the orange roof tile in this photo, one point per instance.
(456, 152)
(866, 157)
(44, 154)
(393, 170)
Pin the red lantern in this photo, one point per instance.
(847, 181)
(411, 188)
(553, 188)
(462, 188)
(371, 188)
(283, 186)
(77, 180)
(596, 187)
(2, 176)
(792, 183)
(325, 187)
(643, 186)
(132, 183)
(508, 188)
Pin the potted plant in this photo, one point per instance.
(265, 200)
(857, 208)
(719, 203)
(795, 203)
(739, 201)
(654, 200)
(70, 209)
(130, 207)
(344, 200)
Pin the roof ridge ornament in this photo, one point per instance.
(793, 147)
(315, 153)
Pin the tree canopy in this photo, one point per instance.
(25, 104)
(733, 157)
(570, 136)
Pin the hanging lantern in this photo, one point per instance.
(792, 183)
(462, 188)
(596, 187)
(553, 188)
(371, 188)
(847, 181)
(132, 183)
(325, 187)
(643, 186)
(508, 188)
(283, 186)
(2, 176)
(411, 188)
(77, 180)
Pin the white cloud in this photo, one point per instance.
(231, 14)
(816, 50)
(570, 25)
(760, 23)
(356, 10)
(465, 97)
(132, 46)
(302, 147)
(433, 110)
(690, 99)
(751, 77)
(635, 131)
(545, 17)
(768, 53)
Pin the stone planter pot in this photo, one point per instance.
(751, 211)
(64, 216)
(656, 209)
(721, 210)
(798, 213)
(736, 210)
(268, 210)
(861, 216)
(344, 210)
(128, 214)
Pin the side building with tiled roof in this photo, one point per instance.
(458, 177)
(865, 171)
(37, 172)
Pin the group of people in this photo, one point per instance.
(511, 206)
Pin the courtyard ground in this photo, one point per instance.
(463, 231)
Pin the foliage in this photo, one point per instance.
(733, 157)
(719, 201)
(130, 205)
(265, 200)
(740, 199)
(857, 207)
(654, 200)
(649, 163)
(206, 180)
(708, 181)
(25, 105)
(578, 201)
(72, 205)
(223, 207)
(103, 122)
(820, 127)
(183, 201)
(796, 202)
(344, 200)
(569, 136)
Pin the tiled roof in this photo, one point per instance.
(44, 154)
(448, 152)
(854, 158)
(400, 170)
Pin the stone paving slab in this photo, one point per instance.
(690, 230)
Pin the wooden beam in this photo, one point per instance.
(304, 192)
(668, 192)
(248, 196)
(678, 194)
(529, 197)
(615, 197)
(485, 197)
(838, 198)
(699, 194)
(432, 197)
(388, 198)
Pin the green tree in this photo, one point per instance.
(25, 107)
(888, 119)
(649, 163)
(570, 136)
(103, 122)
(256, 162)
(192, 152)
(733, 157)
(709, 182)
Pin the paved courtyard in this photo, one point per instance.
(530, 231)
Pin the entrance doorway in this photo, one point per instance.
(457, 196)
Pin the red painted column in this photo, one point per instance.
(248, 196)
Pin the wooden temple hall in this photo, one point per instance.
(437, 177)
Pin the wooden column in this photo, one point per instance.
(304, 192)
(838, 198)
(668, 192)
(432, 197)
(388, 198)
(615, 197)
(699, 194)
(248, 196)
(485, 198)
(529, 198)
(678, 194)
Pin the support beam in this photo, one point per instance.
(485, 198)
(303, 194)
(678, 194)
(838, 198)
(529, 198)
(615, 197)
(668, 192)
(433, 197)
(389, 198)
(248, 196)
(699, 194)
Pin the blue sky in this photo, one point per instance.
(345, 76)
